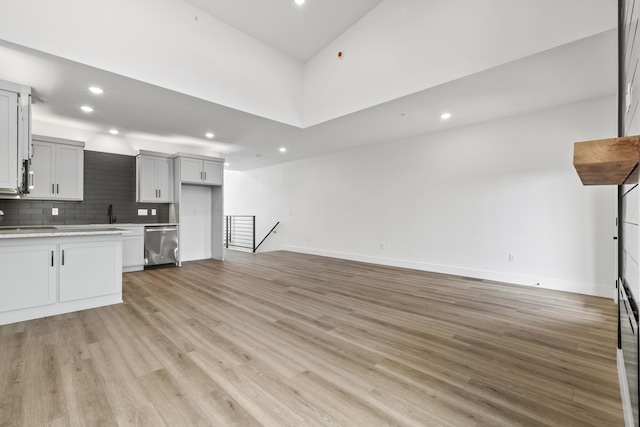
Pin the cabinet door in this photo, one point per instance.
(213, 173)
(42, 168)
(191, 171)
(90, 269)
(147, 190)
(69, 172)
(8, 139)
(164, 179)
(133, 251)
(28, 276)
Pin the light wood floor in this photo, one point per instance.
(280, 339)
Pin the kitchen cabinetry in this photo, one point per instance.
(29, 273)
(89, 261)
(154, 173)
(132, 248)
(45, 276)
(199, 206)
(201, 171)
(57, 169)
(15, 102)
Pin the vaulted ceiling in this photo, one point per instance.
(152, 112)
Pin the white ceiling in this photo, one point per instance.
(298, 31)
(577, 71)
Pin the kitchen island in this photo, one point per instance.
(47, 270)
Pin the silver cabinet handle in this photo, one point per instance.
(57, 188)
(63, 257)
(159, 194)
(53, 189)
(51, 258)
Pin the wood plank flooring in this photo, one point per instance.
(285, 339)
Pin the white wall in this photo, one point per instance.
(458, 201)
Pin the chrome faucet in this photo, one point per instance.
(1, 215)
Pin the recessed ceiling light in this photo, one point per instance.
(300, 2)
(445, 116)
(86, 109)
(96, 90)
(282, 149)
(209, 135)
(114, 131)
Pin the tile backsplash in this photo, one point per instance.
(109, 179)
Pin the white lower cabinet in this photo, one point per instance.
(54, 275)
(28, 276)
(132, 248)
(88, 270)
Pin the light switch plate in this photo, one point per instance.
(54, 211)
(153, 211)
(142, 212)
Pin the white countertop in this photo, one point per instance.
(28, 232)
(116, 225)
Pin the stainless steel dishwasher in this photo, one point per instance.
(160, 245)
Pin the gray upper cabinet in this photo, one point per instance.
(203, 171)
(57, 169)
(154, 173)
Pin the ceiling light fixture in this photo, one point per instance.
(227, 164)
(282, 149)
(209, 135)
(300, 2)
(114, 131)
(86, 109)
(96, 90)
(445, 116)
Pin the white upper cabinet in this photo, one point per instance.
(154, 173)
(15, 129)
(201, 170)
(57, 169)
(8, 139)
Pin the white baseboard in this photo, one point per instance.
(497, 276)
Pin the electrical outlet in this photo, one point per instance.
(153, 211)
(142, 212)
(54, 211)
(512, 258)
(382, 246)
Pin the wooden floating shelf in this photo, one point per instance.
(612, 161)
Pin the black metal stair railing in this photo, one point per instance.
(240, 232)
